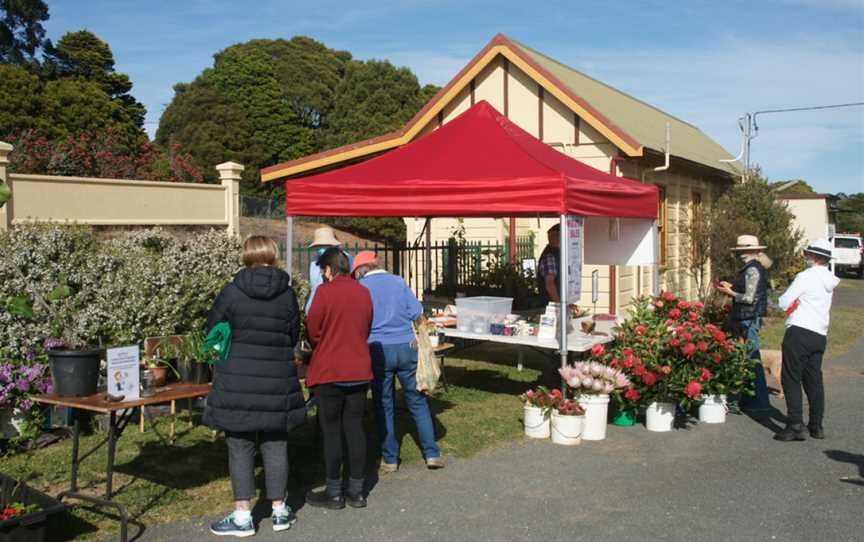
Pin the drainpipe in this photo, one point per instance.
(613, 286)
(664, 167)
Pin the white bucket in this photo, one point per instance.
(660, 417)
(536, 422)
(713, 409)
(567, 430)
(596, 415)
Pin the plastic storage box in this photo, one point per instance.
(475, 314)
(46, 525)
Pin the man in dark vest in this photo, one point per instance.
(749, 295)
(548, 268)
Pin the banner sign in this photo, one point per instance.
(123, 372)
(575, 243)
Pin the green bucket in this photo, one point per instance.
(625, 418)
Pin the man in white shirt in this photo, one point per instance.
(808, 304)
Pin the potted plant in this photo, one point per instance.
(538, 403)
(27, 514)
(74, 363)
(192, 366)
(19, 416)
(158, 369)
(592, 383)
(568, 420)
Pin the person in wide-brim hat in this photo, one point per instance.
(749, 294)
(324, 238)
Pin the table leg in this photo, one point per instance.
(141, 420)
(189, 412)
(112, 446)
(173, 415)
(443, 374)
(76, 439)
(520, 359)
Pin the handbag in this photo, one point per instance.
(217, 344)
(428, 366)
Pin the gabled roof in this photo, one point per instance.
(631, 125)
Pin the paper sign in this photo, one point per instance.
(575, 242)
(595, 286)
(123, 372)
(620, 241)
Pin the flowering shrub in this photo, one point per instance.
(122, 290)
(541, 398)
(671, 352)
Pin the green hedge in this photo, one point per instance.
(146, 283)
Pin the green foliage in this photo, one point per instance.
(849, 213)
(750, 208)
(800, 187)
(119, 291)
(388, 229)
(21, 32)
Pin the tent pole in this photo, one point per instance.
(428, 267)
(289, 244)
(564, 312)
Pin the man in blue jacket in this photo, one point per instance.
(394, 354)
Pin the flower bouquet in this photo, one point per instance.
(538, 404)
(568, 420)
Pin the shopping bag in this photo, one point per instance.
(428, 366)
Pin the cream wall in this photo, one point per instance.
(559, 129)
(811, 218)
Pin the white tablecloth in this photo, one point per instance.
(576, 342)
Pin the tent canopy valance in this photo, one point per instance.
(478, 164)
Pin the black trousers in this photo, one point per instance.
(802, 366)
(340, 412)
(241, 463)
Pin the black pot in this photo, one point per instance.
(192, 372)
(75, 372)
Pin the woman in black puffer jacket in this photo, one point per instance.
(256, 396)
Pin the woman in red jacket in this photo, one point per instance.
(339, 373)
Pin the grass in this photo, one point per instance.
(845, 329)
(852, 283)
(161, 482)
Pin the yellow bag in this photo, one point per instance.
(428, 366)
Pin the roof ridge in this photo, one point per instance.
(619, 91)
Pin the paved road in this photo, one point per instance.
(729, 482)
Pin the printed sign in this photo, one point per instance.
(123, 372)
(575, 242)
(595, 286)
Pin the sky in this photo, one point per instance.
(704, 61)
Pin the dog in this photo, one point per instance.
(772, 362)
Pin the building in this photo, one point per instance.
(810, 213)
(587, 120)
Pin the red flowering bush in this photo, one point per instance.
(673, 351)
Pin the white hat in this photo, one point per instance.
(820, 247)
(324, 237)
(748, 242)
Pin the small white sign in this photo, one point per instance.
(124, 372)
(575, 242)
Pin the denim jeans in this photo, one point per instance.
(750, 332)
(399, 360)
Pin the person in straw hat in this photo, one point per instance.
(807, 303)
(324, 238)
(749, 295)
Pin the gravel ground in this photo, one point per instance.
(705, 482)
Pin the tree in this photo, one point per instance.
(20, 98)
(750, 208)
(22, 33)
(848, 212)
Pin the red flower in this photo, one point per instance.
(668, 296)
(692, 389)
(665, 369)
(640, 330)
(702, 346)
(639, 370)
(631, 395)
(693, 316)
(726, 308)
(669, 322)
(628, 362)
(688, 349)
(597, 350)
(555, 394)
(627, 352)
(719, 336)
(686, 336)
(699, 305)
(649, 379)
(683, 305)
(716, 356)
(705, 376)
(674, 313)
(727, 347)
(674, 342)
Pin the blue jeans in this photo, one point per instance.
(399, 360)
(750, 331)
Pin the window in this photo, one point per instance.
(696, 226)
(846, 242)
(662, 224)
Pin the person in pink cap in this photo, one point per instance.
(394, 354)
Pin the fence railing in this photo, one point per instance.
(451, 263)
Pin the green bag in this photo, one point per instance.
(217, 343)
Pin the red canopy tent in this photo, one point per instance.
(478, 164)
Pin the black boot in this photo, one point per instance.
(354, 496)
(793, 432)
(816, 431)
(330, 497)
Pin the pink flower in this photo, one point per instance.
(683, 305)
(674, 342)
(716, 357)
(693, 316)
(598, 350)
(692, 389)
(702, 346)
(687, 336)
(665, 369)
(675, 313)
(631, 395)
(688, 349)
(668, 296)
(699, 305)
(640, 330)
(649, 379)
(705, 376)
